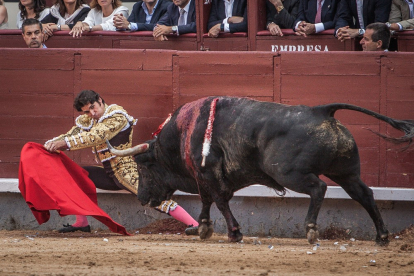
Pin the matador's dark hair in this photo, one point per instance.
(86, 97)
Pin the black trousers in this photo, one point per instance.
(101, 179)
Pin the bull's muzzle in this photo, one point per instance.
(127, 152)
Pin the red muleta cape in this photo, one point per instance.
(52, 181)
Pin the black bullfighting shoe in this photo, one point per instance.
(69, 228)
(191, 230)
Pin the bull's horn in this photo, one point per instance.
(127, 152)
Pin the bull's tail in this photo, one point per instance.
(407, 126)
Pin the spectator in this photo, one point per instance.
(376, 37)
(32, 33)
(64, 14)
(180, 18)
(3, 16)
(401, 16)
(353, 17)
(229, 16)
(281, 15)
(316, 16)
(31, 9)
(100, 17)
(145, 14)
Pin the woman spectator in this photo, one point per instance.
(3, 16)
(100, 18)
(64, 14)
(31, 9)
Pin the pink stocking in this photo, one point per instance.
(181, 215)
(81, 221)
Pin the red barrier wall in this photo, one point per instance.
(38, 87)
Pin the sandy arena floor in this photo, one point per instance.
(173, 253)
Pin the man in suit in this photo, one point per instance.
(32, 33)
(376, 37)
(229, 16)
(401, 18)
(145, 14)
(355, 15)
(281, 14)
(316, 16)
(180, 18)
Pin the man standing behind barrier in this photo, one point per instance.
(229, 16)
(98, 123)
(32, 32)
(281, 15)
(180, 18)
(145, 14)
(316, 16)
(401, 16)
(376, 37)
(355, 15)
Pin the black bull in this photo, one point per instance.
(256, 142)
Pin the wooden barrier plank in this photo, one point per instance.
(16, 59)
(401, 109)
(36, 104)
(400, 161)
(142, 105)
(67, 41)
(339, 64)
(173, 43)
(369, 160)
(127, 59)
(400, 65)
(223, 85)
(113, 60)
(226, 44)
(36, 81)
(292, 43)
(136, 82)
(400, 180)
(225, 63)
(400, 88)
(9, 170)
(158, 59)
(29, 128)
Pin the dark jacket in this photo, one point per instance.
(170, 18)
(373, 11)
(80, 17)
(138, 15)
(218, 14)
(329, 15)
(286, 18)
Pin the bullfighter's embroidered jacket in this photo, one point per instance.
(116, 126)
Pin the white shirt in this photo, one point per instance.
(186, 8)
(228, 5)
(319, 27)
(95, 17)
(42, 15)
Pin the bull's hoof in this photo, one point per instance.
(383, 240)
(205, 229)
(312, 233)
(235, 235)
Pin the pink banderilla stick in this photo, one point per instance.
(209, 132)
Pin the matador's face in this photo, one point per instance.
(95, 110)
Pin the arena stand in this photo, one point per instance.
(257, 38)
